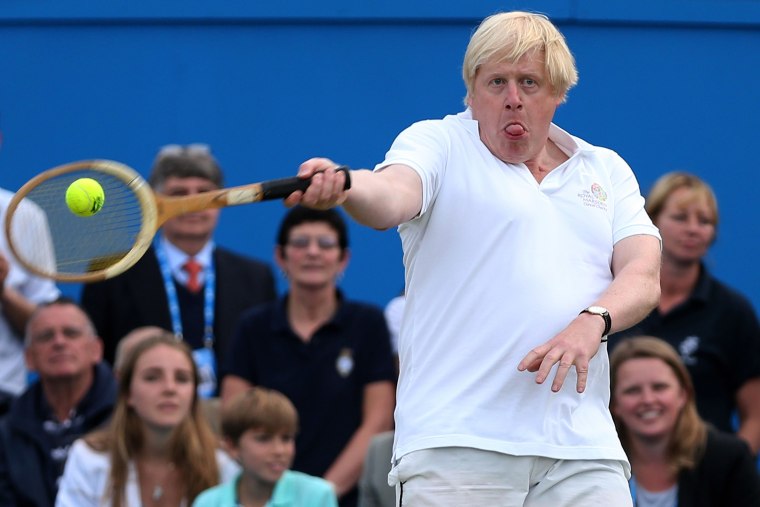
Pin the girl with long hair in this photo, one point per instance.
(158, 450)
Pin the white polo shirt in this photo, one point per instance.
(497, 264)
(13, 373)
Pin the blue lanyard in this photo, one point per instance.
(632, 485)
(209, 293)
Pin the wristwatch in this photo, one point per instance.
(603, 313)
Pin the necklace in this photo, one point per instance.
(160, 481)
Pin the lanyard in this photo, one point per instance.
(632, 485)
(209, 293)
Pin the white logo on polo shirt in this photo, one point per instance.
(688, 348)
(345, 363)
(595, 197)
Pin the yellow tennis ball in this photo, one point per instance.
(85, 197)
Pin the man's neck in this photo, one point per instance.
(63, 395)
(550, 158)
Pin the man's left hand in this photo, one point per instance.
(574, 346)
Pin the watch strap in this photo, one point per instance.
(605, 315)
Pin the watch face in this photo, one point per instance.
(599, 310)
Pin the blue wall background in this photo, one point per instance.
(668, 84)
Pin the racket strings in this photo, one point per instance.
(51, 239)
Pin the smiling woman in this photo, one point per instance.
(158, 449)
(330, 356)
(676, 459)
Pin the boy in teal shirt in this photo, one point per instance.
(259, 428)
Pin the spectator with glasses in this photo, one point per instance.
(185, 282)
(330, 356)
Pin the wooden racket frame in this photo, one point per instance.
(156, 209)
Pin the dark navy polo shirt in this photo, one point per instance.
(716, 331)
(324, 378)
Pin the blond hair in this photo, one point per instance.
(508, 36)
(675, 180)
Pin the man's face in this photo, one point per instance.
(195, 226)
(514, 104)
(62, 343)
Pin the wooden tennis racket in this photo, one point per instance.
(51, 241)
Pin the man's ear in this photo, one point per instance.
(96, 350)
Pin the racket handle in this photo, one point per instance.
(281, 188)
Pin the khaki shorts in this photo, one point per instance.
(461, 476)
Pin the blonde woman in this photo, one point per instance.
(714, 327)
(158, 450)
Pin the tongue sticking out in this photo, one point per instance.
(515, 130)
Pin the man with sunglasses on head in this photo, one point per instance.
(185, 283)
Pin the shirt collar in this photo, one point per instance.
(701, 290)
(567, 143)
(280, 320)
(177, 258)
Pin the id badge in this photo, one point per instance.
(206, 363)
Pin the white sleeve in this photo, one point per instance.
(423, 147)
(83, 478)
(630, 218)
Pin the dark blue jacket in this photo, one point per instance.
(725, 475)
(28, 477)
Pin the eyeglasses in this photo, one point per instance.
(68, 332)
(303, 242)
(173, 150)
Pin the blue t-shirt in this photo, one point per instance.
(294, 489)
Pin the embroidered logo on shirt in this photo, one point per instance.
(598, 192)
(687, 348)
(594, 198)
(345, 363)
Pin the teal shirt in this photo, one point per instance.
(294, 489)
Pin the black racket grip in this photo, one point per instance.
(283, 187)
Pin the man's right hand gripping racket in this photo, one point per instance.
(51, 241)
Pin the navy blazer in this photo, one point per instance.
(138, 298)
